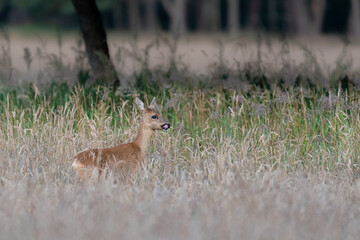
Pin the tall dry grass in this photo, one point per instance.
(251, 184)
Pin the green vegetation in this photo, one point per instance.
(292, 129)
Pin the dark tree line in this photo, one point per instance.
(289, 16)
(180, 16)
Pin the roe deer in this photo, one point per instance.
(125, 156)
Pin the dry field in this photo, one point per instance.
(219, 187)
(195, 53)
(281, 165)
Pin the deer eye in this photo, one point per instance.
(154, 117)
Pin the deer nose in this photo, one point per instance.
(166, 126)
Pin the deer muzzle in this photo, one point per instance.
(165, 126)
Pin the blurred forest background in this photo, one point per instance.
(297, 17)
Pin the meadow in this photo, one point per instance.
(256, 151)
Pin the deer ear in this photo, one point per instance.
(139, 104)
(153, 102)
(154, 105)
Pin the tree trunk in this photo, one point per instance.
(317, 10)
(201, 16)
(233, 16)
(273, 15)
(176, 10)
(95, 41)
(254, 14)
(150, 15)
(5, 9)
(303, 18)
(118, 16)
(209, 19)
(134, 18)
(297, 17)
(354, 18)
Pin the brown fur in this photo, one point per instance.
(125, 156)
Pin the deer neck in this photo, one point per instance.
(143, 139)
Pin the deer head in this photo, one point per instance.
(151, 116)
